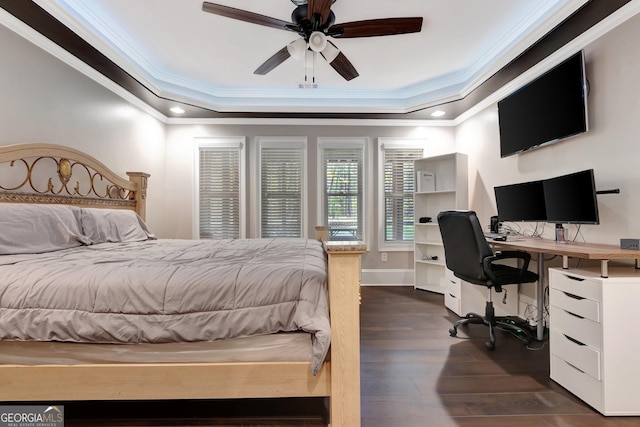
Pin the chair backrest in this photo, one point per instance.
(465, 246)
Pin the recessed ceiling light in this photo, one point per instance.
(176, 110)
(438, 113)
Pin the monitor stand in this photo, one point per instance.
(562, 234)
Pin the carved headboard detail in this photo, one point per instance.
(48, 173)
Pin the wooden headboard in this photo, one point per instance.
(48, 173)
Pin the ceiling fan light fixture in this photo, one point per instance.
(330, 52)
(317, 41)
(297, 48)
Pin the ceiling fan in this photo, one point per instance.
(314, 21)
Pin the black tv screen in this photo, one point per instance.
(550, 108)
(572, 198)
(521, 202)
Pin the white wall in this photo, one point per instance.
(610, 147)
(44, 100)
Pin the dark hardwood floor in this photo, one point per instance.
(413, 374)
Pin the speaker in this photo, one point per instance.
(495, 225)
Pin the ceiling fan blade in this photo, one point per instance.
(320, 7)
(339, 61)
(376, 27)
(278, 58)
(243, 15)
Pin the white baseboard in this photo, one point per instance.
(387, 277)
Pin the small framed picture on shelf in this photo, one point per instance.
(426, 181)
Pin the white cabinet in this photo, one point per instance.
(443, 187)
(594, 340)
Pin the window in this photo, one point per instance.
(341, 187)
(220, 176)
(282, 187)
(396, 173)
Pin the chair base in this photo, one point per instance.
(490, 320)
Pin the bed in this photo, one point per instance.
(251, 362)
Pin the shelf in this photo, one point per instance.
(449, 192)
(432, 242)
(435, 192)
(430, 262)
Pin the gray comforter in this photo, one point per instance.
(167, 291)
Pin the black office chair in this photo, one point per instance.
(471, 259)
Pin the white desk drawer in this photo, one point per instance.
(453, 286)
(575, 304)
(577, 382)
(583, 330)
(453, 303)
(580, 355)
(575, 284)
(448, 275)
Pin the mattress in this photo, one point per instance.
(167, 291)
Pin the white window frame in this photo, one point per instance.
(347, 142)
(220, 142)
(293, 142)
(393, 143)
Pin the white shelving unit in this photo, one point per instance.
(450, 192)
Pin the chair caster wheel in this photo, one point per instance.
(453, 332)
(490, 345)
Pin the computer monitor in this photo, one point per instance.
(571, 199)
(521, 202)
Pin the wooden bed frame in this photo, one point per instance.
(338, 379)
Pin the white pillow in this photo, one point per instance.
(113, 225)
(33, 228)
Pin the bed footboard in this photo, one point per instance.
(344, 303)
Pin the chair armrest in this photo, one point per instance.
(500, 255)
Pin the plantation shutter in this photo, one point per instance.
(398, 193)
(219, 192)
(281, 179)
(343, 192)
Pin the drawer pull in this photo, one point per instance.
(577, 369)
(574, 315)
(451, 295)
(574, 340)
(577, 279)
(574, 296)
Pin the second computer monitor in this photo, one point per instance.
(572, 198)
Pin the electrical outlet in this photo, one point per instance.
(383, 256)
(630, 244)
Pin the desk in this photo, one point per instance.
(600, 252)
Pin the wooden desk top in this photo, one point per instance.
(572, 249)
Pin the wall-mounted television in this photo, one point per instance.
(521, 202)
(572, 198)
(548, 109)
